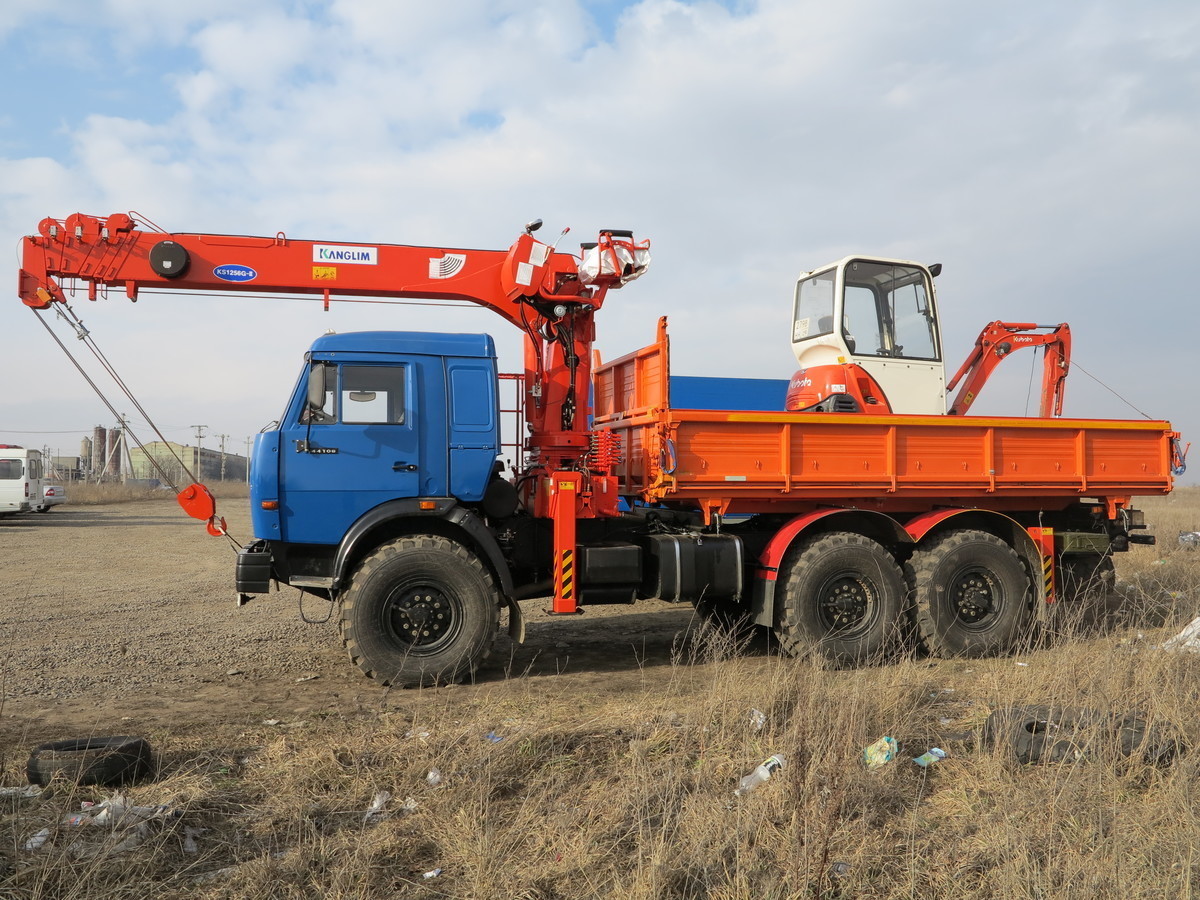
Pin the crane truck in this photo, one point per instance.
(860, 510)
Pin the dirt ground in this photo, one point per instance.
(121, 619)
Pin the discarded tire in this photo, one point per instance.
(94, 760)
(1044, 734)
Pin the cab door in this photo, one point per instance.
(368, 444)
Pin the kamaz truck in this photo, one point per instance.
(827, 511)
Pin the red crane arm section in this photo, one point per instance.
(113, 252)
(997, 341)
(552, 297)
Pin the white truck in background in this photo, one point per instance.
(22, 477)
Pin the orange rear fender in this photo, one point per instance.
(867, 522)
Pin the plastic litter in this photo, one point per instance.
(1187, 640)
(375, 810)
(839, 870)
(1189, 540)
(432, 873)
(26, 792)
(117, 810)
(114, 814)
(134, 837)
(929, 757)
(758, 719)
(37, 841)
(189, 839)
(434, 778)
(761, 773)
(214, 875)
(493, 737)
(881, 752)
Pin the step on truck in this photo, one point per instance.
(845, 509)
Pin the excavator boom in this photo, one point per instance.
(997, 341)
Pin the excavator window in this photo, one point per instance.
(915, 330)
(886, 312)
(814, 307)
(860, 321)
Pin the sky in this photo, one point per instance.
(1044, 153)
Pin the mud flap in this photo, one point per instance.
(516, 622)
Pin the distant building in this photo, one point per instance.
(205, 465)
(68, 468)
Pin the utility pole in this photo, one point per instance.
(126, 467)
(199, 468)
(222, 437)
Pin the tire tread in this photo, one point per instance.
(922, 569)
(374, 561)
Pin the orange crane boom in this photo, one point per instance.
(551, 296)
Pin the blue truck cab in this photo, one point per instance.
(402, 416)
(380, 491)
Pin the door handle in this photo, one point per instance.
(400, 466)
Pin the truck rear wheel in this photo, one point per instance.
(970, 594)
(419, 610)
(843, 595)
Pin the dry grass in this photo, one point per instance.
(631, 796)
(82, 494)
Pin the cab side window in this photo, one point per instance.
(372, 395)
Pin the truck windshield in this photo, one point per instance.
(11, 469)
(887, 312)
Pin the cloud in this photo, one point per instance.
(17, 13)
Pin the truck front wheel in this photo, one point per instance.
(843, 594)
(971, 594)
(419, 610)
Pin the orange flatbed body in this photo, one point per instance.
(733, 462)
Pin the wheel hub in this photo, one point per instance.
(845, 602)
(974, 596)
(421, 617)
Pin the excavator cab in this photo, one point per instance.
(865, 333)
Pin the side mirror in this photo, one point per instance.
(316, 387)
